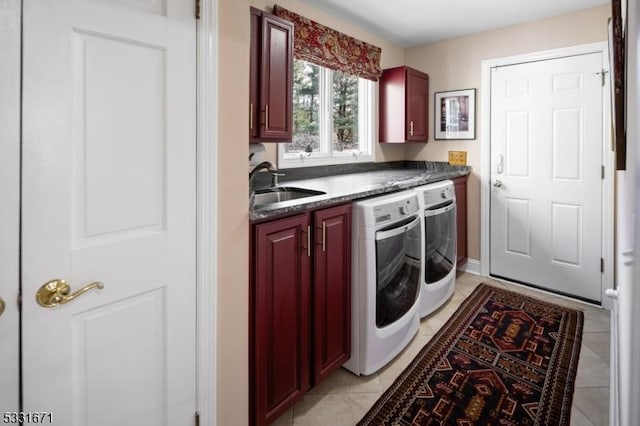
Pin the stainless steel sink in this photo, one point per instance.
(264, 197)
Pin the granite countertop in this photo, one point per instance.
(346, 187)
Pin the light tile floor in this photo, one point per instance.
(342, 399)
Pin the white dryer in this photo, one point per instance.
(438, 206)
(387, 272)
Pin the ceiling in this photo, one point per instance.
(415, 22)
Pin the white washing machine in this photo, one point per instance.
(387, 273)
(438, 206)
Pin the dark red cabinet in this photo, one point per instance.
(300, 306)
(404, 105)
(331, 290)
(280, 309)
(460, 187)
(270, 78)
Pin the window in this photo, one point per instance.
(332, 118)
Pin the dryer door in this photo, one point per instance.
(440, 242)
(398, 259)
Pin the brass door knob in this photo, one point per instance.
(58, 292)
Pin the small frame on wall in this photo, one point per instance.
(455, 114)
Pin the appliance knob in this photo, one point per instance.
(443, 194)
(403, 210)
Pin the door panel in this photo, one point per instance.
(460, 185)
(332, 290)
(112, 204)
(10, 204)
(109, 196)
(517, 143)
(276, 102)
(282, 315)
(254, 73)
(417, 93)
(567, 231)
(567, 144)
(546, 146)
(518, 226)
(142, 345)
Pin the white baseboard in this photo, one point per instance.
(472, 266)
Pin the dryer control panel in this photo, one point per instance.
(437, 194)
(395, 210)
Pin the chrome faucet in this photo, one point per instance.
(270, 168)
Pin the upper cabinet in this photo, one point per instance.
(271, 78)
(404, 105)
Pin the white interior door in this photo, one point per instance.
(9, 203)
(546, 159)
(108, 178)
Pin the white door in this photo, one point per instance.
(546, 158)
(108, 195)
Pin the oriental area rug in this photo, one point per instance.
(502, 359)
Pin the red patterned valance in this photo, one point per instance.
(329, 48)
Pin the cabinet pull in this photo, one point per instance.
(251, 115)
(324, 233)
(266, 117)
(411, 128)
(309, 240)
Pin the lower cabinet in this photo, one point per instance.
(460, 187)
(300, 306)
(280, 320)
(331, 290)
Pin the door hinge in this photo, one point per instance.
(198, 9)
(601, 264)
(602, 172)
(197, 419)
(19, 302)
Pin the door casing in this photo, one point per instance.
(608, 156)
(206, 210)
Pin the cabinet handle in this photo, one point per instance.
(251, 115)
(266, 117)
(309, 240)
(324, 233)
(411, 128)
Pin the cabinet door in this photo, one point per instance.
(276, 81)
(281, 320)
(460, 186)
(417, 98)
(332, 290)
(254, 73)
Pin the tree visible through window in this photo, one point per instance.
(345, 112)
(306, 108)
(328, 114)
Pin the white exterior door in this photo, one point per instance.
(546, 159)
(108, 195)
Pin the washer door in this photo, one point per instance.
(440, 242)
(398, 259)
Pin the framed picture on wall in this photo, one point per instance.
(455, 114)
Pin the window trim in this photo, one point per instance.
(367, 124)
